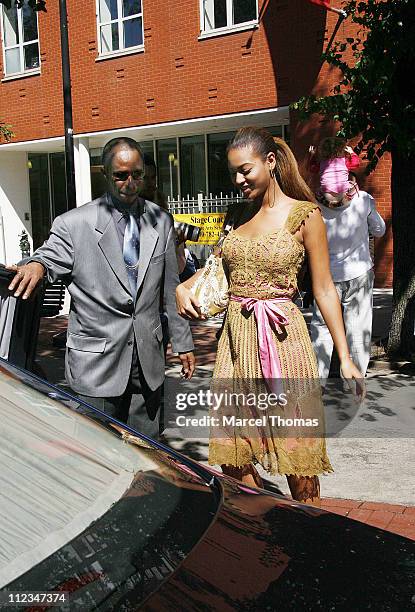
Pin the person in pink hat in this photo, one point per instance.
(334, 160)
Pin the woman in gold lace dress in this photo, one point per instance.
(264, 345)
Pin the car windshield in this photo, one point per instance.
(84, 511)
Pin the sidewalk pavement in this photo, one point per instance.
(374, 473)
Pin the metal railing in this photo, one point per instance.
(202, 204)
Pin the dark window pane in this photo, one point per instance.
(98, 182)
(39, 198)
(133, 34)
(31, 56)
(219, 177)
(220, 14)
(43, 210)
(58, 175)
(131, 7)
(192, 165)
(115, 37)
(29, 24)
(275, 130)
(244, 10)
(147, 147)
(167, 164)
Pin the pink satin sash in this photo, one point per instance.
(268, 315)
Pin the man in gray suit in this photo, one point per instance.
(117, 257)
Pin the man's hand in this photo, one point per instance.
(26, 279)
(188, 364)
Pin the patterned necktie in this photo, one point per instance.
(131, 251)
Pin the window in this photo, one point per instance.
(192, 165)
(219, 178)
(228, 14)
(20, 39)
(47, 180)
(168, 164)
(120, 25)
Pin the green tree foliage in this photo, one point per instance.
(5, 131)
(375, 97)
(375, 100)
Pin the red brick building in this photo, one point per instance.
(179, 77)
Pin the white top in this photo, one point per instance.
(348, 229)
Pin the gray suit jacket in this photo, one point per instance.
(83, 250)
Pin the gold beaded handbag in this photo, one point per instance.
(211, 288)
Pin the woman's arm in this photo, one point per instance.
(188, 306)
(325, 294)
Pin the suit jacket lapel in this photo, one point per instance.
(109, 243)
(148, 241)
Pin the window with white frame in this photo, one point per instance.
(228, 14)
(120, 25)
(20, 39)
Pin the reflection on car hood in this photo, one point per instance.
(267, 553)
(254, 550)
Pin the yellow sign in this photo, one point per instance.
(210, 224)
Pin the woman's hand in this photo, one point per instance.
(354, 378)
(187, 304)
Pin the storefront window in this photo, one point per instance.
(47, 192)
(147, 147)
(188, 176)
(219, 178)
(275, 130)
(168, 167)
(192, 165)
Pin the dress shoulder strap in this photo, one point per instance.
(299, 214)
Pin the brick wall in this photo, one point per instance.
(33, 105)
(180, 77)
(176, 77)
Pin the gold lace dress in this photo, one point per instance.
(266, 267)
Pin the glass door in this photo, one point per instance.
(47, 181)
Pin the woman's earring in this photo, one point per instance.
(272, 175)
